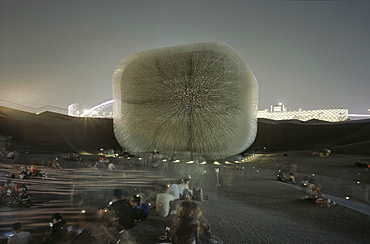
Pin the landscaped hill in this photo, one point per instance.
(52, 132)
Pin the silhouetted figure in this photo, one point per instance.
(58, 230)
(20, 237)
(187, 224)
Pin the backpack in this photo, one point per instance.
(197, 193)
(145, 210)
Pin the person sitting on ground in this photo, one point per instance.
(163, 200)
(184, 189)
(291, 179)
(187, 224)
(123, 214)
(76, 156)
(111, 166)
(9, 185)
(118, 204)
(58, 230)
(305, 181)
(173, 189)
(197, 193)
(20, 237)
(309, 192)
(89, 223)
(137, 210)
(24, 170)
(11, 155)
(34, 170)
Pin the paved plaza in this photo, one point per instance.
(243, 206)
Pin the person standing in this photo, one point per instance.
(20, 237)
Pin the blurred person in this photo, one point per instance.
(76, 156)
(24, 169)
(20, 237)
(34, 170)
(9, 184)
(173, 189)
(309, 190)
(135, 207)
(187, 224)
(11, 155)
(58, 229)
(184, 189)
(118, 203)
(197, 192)
(163, 200)
(291, 178)
(111, 166)
(92, 227)
(123, 214)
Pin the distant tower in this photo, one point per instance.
(73, 109)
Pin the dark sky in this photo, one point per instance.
(305, 54)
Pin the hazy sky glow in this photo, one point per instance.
(306, 54)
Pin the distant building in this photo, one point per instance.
(73, 109)
(279, 112)
(278, 108)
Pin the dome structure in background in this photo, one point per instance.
(196, 99)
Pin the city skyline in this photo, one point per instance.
(309, 55)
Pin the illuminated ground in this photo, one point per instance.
(250, 206)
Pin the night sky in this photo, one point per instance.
(305, 54)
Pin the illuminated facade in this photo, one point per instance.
(276, 112)
(330, 115)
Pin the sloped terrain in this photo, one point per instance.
(52, 132)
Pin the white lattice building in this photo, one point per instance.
(330, 115)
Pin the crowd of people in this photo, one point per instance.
(314, 192)
(14, 194)
(113, 223)
(174, 193)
